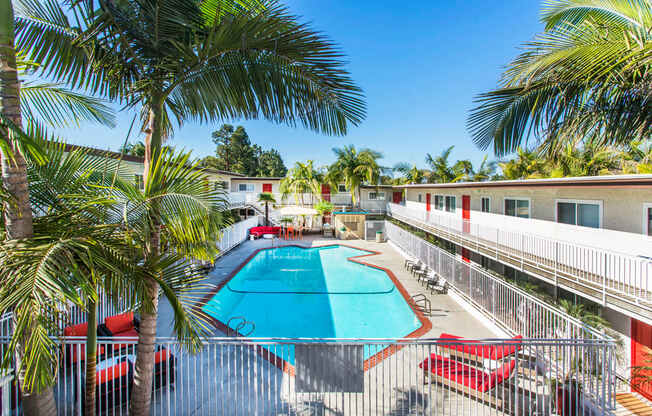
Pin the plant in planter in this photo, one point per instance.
(566, 395)
(324, 208)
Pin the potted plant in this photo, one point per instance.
(324, 208)
(566, 394)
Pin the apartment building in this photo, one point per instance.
(588, 236)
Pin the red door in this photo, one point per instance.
(428, 202)
(641, 357)
(267, 187)
(466, 212)
(326, 193)
(397, 197)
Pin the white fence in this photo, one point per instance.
(593, 267)
(236, 234)
(506, 305)
(237, 376)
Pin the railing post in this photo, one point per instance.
(522, 252)
(604, 281)
(497, 235)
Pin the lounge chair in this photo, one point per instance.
(76, 353)
(409, 261)
(164, 368)
(424, 274)
(124, 325)
(412, 264)
(113, 384)
(467, 379)
(420, 269)
(437, 284)
(477, 350)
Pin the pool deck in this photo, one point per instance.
(401, 391)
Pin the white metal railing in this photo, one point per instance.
(506, 305)
(237, 376)
(236, 234)
(603, 271)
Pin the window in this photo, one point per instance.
(139, 181)
(584, 213)
(517, 207)
(486, 204)
(245, 187)
(647, 219)
(439, 202)
(373, 196)
(420, 198)
(450, 204)
(341, 188)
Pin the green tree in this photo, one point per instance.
(485, 171)
(410, 174)
(587, 75)
(134, 149)
(354, 167)
(302, 179)
(270, 164)
(181, 61)
(234, 152)
(266, 198)
(441, 170)
(526, 164)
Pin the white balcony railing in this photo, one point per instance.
(606, 272)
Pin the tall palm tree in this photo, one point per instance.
(302, 179)
(354, 167)
(266, 198)
(190, 60)
(527, 164)
(485, 171)
(587, 75)
(463, 171)
(442, 172)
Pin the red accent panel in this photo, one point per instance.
(642, 355)
(267, 187)
(466, 212)
(326, 193)
(397, 197)
(428, 196)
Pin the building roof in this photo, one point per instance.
(258, 178)
(136, 159)
(607, 180)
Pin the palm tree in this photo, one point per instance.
(486, 170)
(587, 76)
(463, 171)
(193, 61)
(302, 179)
(442, 172)
(266, 198)
(354, 167)
(411, 175)
(527, 164)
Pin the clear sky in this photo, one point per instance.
(420, 64)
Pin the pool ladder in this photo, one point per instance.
(237, 330)
(423, 303)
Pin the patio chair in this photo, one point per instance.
(124, 325)
(422, 268)
(478, 351)
(424, 274)
(437, 284)
(410, 261)
(164, 368)
(466, 379)
(74, 354)
(113, 384)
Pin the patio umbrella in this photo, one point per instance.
(297, 211)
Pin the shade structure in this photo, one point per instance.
(295, 210)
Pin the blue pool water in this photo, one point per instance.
(314, 293)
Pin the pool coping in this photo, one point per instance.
(283, 365)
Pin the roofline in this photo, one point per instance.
(588, 181)
(131, 158)
(259, 178)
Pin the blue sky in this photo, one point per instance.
(420, 64)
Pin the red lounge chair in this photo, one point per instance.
(113, 385)
(467, 379)
(260, 231)
(121, 326)
(79, 330)
(164, 368)
(469, 351)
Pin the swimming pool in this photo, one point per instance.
(314, 293)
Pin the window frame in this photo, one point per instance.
(341, 186)
(599, 203)
(454, 204)
(378, 195)
(488, 198)
(420, 198)
(646, 207)
(443, 202)
(519, 198)
(247, 184)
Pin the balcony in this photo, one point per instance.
(603, 265)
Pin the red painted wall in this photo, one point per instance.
(642, 355)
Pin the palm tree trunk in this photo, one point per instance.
(267, 213)
(91, 359)
(141, 398)
(18, 217)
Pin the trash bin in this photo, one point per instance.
(379, 237)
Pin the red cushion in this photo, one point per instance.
(117, 371)
(161, 355)
(120, 323)
(499, 375)
(468, 347)
(510, 347)
(455, 371)
(79, 330)
(127, 334)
